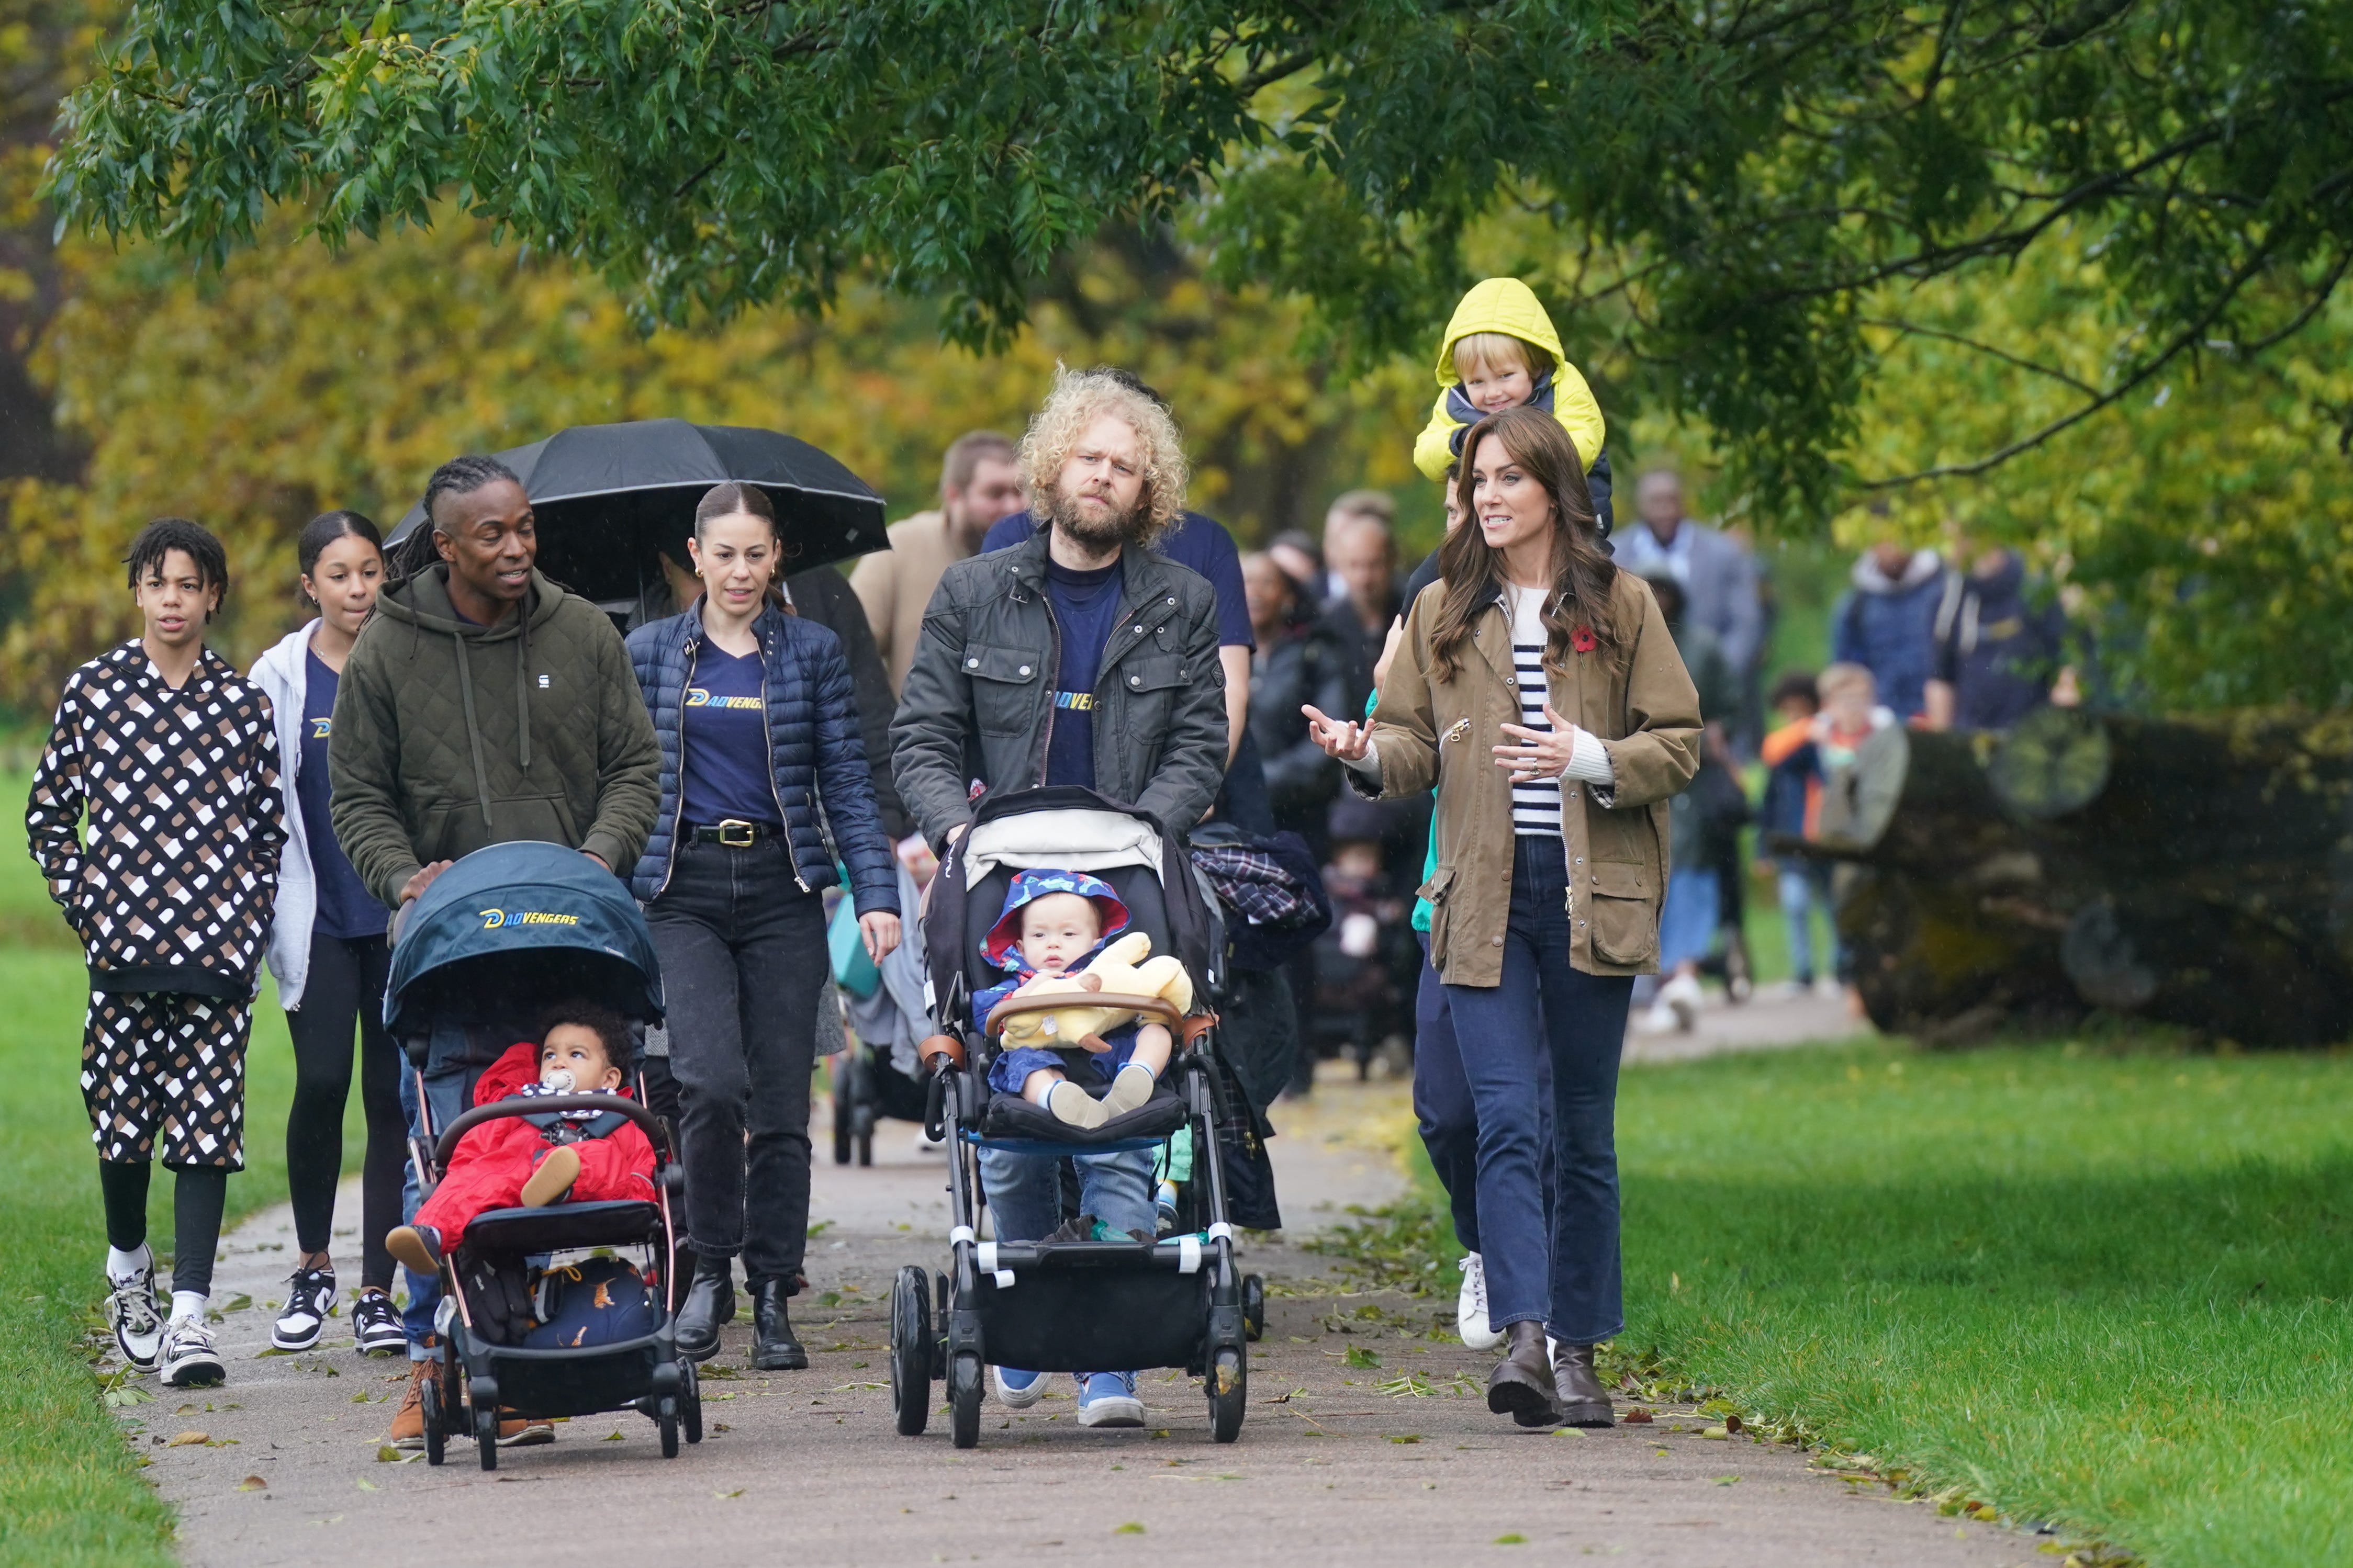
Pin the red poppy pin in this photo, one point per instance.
(1582, 639)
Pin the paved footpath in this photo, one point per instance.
(1335, 1465)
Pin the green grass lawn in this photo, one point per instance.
(70, 1492)
(2107, 1289)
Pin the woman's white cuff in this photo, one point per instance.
(1369, 764)
(1590, 759)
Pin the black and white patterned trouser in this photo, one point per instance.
(165, 1068)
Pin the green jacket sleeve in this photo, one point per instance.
(363, 770)
(628, 761)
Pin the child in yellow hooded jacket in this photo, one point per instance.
(1501, 351)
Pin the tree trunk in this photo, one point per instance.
(2196, 872)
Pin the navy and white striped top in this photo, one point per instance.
(1535, 804)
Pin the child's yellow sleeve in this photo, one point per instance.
(1573, 405)
(1432, 449)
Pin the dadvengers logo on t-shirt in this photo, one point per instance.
(696, 697)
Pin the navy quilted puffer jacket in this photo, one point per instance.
(814, 752)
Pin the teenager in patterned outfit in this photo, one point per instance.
(173, 755)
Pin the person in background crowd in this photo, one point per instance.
(1362, 554)
(1718, 573)
(482, 704)
(1298, 662)
(979, 484)
(1347, 510)
(1688, 925)
(1301, 559)
(756, 721)
(1792, 805)
(2000, 654)
(173, 759)
(1078, 655)
(328, 950)
(1886, 621)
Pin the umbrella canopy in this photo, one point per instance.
(611, 499)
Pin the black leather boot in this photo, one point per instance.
(773, 1348)
(709, 1303)
(1521, 1385)
(1583, 1401)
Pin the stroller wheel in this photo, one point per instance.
(689, 1400)
(963, 1399)
(911, 1349)
(1254, 1307)
(486, 1437)
(666, 1420)
(429, 1402)
(1228, 1387)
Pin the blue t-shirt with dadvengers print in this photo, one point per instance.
(724, 735)
(346, 909)
(1085, 606)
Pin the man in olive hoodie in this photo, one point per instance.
(484, 704)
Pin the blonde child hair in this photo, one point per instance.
(1496, 351)
(1845, 676)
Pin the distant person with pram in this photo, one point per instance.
(1551, 841)
(481, 704)
(172, 758)
(761, 754)
(1078, 655)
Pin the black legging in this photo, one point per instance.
(199, 1195)
(345, 985)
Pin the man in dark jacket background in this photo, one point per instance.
(1079, 656)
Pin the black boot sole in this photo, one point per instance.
(1525, 1404)
(781, 1358)
(1587, 1414)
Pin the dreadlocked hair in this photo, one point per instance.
(460, 476)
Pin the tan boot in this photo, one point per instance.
(408, 1421)
(553, 1178)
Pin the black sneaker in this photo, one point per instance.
(375, 1325)
(137, 1319)
(309, 1296)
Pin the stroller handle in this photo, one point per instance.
(1057, 1001)
(541, 1105)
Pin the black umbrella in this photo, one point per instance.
(611, 499)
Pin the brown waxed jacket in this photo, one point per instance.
(1636, 699)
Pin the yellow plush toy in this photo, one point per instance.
(1116, 970)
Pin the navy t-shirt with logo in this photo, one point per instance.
(346, 909)
(723, 730)
(1086, 607)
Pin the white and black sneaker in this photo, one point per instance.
(188, 1357)
(375, 1325)
(309, 1297)
(137, 1318)
(1470, 1307)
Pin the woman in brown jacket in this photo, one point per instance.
(1539, 689)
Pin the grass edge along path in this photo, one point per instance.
(71, 1490)
(2104, 1287)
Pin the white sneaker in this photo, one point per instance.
(1660, 1019)
(1108, 1399)
(137, 1319)
(1018, 1390)
(309, 1297)
(1470, 1307)
(1828, 989)
(188, 1357)
(1683, 997)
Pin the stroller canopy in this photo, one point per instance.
(517, 927)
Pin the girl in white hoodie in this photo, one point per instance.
(328, 950)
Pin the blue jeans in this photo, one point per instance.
(1687, 925)
(1444, 1106)
(447, 1088)
(1025, 1191)
(1806, 887)
(1543, 1013)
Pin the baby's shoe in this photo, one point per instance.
(1130, 1088)
(418, 1245)
(553, 1178)
(1074, 1105)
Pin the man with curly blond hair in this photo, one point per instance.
(1079, 655)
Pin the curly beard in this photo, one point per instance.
(1115, 531)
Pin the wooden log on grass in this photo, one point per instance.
(2192, 871)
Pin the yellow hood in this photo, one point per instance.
(1497, 305)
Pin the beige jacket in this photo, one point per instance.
(1638, 700)
(896, 586)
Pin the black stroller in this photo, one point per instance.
(1078, 1305)
(501, 935)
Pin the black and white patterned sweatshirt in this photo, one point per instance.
(174, 891)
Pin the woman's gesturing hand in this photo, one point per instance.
(1348, 741)
(880, 932)
(1534, 756)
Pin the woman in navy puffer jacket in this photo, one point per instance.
(760, 759)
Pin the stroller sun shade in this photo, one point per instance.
(515, 928)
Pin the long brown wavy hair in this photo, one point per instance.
(1582, 573)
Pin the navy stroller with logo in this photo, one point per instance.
(1072, 1305)
(499, 938)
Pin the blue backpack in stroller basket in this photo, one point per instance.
(504, 934)
(1072, 1305)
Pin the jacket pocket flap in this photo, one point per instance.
(1007, 664)
(1620, 879)
(1435, 888)
(1157, 672)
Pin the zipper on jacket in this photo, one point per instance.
(678, 812)
(792, 856)
(1053, 682)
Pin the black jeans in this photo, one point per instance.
(345, 987)
(743, 955)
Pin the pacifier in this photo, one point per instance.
(560, 1079)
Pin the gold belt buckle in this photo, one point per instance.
(736, 833)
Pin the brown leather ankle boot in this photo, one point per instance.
(1521, 1385)
(1583, 1401)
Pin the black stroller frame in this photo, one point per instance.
(586, 938)
(1069, 1306)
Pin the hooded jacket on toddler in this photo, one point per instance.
(1002, 948)
(494, 1160)
(1508, 306)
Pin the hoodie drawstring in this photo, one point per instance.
(473, 728)
(523, 682)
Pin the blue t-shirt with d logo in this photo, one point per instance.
(724, 734)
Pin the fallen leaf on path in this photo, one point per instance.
(1638, 1418)
(737, 1492)
(1718, 1433)
(386, 1454)
(366, 1486)
(1513, 1538)
(613, 1437)
(1130, 1528)
(1727, 1481)
(252, 1484)
(186, 1440)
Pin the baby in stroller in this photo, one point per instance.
(1053, 924)
(531, 1161)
